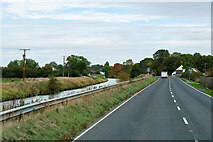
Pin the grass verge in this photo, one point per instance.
(60, 123)
(23, 89)
(197, 85)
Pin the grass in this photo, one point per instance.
(64, 121)
(9, 80)
(197, 85)
(40, 86)
(96, 76)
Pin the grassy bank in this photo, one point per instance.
(40, 86)
(60, 123)
(197, 85)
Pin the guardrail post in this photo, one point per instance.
(19, 117)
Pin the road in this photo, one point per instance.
(157, 113)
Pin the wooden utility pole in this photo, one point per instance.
(24, 58)
(63, 64)
(68, 69)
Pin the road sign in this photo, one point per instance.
(148, 69)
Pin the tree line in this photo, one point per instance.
(162, 60)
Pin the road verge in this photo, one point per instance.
(60, 123)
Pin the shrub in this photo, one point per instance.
(123, 76)
(53, 85)
(192, 76)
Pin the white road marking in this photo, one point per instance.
(111, 112)
(172, 96)
(185, 121)
(178, 107)
(175, 101)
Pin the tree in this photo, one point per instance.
(78, 65)
(15, 69)
(144, 64)
(106, 68)
(161, 54)
(205, 63)
(159, 57)
(128, 62)
(30, 64)
(115, 69)
(53, 64)
(14, 63)
(135, 71)
(170, 64)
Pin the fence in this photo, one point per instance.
(206, 82)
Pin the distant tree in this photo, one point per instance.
(128, 62)
(115, 69)
(144, 64)
(135, 71)
(187, 60)
(170, 64)
(15, 69)
(205, 63)
(161, 54)
(78, 65)
(53, 64)
(106, 68)
(159, 57)
(30, 64)
(14, 63)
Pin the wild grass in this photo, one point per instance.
(197, 85)
(64, 121)
(40, 86)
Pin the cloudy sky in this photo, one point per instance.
(103, 31)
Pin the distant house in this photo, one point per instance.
(179, 71)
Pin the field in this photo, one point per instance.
(41, 86)
(64, 121)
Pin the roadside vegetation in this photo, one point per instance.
(197, 85)
(64, 121)
(43, 86)
(8, 80)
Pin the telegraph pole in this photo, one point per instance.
(68, 69)
(63, 64)
(24, 58)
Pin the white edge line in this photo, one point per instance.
(196, 89)
(185, 121)
(111, 112)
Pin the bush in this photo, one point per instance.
(123, 76)
(53, 85)
(193, 76)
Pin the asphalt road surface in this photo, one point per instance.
(157, 113)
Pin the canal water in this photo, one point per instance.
(26, 101)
